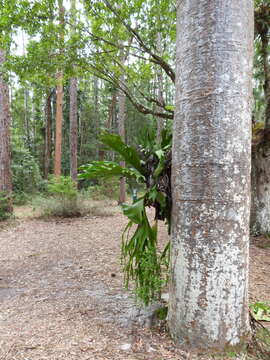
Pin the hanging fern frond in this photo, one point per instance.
(105, 169)
(128, 153)
(142, 261)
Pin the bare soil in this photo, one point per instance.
(62, 296)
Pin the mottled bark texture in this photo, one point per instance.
(211, 174)
(73, 129)
(121, 130)
(5, 170)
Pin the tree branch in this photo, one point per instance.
(158, 60)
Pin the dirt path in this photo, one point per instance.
(61, 293)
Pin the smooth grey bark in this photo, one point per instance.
(211, 174)
(5, 153)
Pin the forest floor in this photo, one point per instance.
(62, 297)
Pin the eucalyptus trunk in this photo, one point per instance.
(211, 174)
(5, 158)
(59, 100)
(73, 130)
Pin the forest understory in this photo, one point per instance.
(62, 297)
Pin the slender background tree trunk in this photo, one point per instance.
(48, 135)
(96, 112)
(73, 129)
(5, 170)
(73, 138)
(58, 125)
(59, 102)
(160, 121)
(260, 179)
(211, 174)
(121, 130)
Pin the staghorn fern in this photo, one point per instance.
(151, 164)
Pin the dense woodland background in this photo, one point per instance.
(92, 50)
(73, 68)
(87, 91)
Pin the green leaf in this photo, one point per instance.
(170, 107)
(105, 169)
(260, 311)
(161, 156)
(135, 211)
(129, 154)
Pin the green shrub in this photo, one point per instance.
(63, 199)
(105, 189)
(26, 177)
(62, 187)
(20, 198)
(5, 207)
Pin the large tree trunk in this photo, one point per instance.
(73, 129)
(5, 169)
(211, 174)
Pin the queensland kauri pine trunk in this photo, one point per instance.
(73, 130)
(211, 174)
(5, 169)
